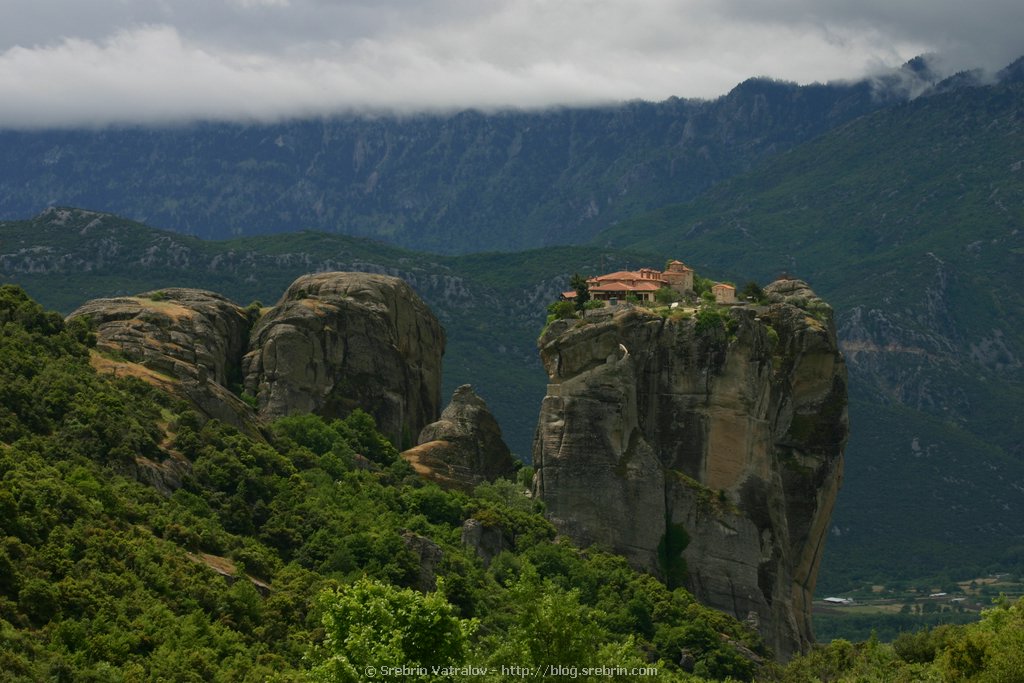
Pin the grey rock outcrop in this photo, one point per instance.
(464, 447)
(707, 451)
(340, 341)
(487, 540)
(189, 341)
(335, 342)
(430, 556)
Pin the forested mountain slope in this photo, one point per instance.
(289, 555)
(455, 183)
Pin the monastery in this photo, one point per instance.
(643, 283)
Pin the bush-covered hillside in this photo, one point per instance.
(989, 651)
(314, 552)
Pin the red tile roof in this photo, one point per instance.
(647, 286)
(620, 275)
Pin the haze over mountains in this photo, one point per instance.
(458, 183)
(905, 215)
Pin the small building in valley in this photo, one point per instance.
(839, 601)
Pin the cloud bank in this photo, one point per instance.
(69, 63)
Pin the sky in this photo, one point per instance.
(101, 62)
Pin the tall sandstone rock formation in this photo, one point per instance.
(188, 341)
(340, 341)
(706, 450)
(463, 448)
(335, 342)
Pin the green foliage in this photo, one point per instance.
(889, 627)
(249, 400)
(666, 296)
(356, 434)
(579, 283)
(372, 626)
(920, 647)
(22, 312)
(254, 309)
(507, 494)
(549, 625)
(524, 477)
(702, 286)
(711, 319)
(752, 292)
(561, 310)
(990, 650)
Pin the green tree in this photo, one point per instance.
(702, 285)
(753, 292)
(579, 283)
(666, 295)
(710, 318)
(560, 310)
(373, 624)
(550, 625)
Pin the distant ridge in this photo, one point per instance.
(456, 183)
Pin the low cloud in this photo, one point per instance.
(180, 60)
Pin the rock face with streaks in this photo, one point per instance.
(340, 341)
(335, 342)
(464, 447)
(188, 340)
(705, 446)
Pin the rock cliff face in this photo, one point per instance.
(340, 341)
(464, 448)
(335, 342)
(707, 449)
(187, 340)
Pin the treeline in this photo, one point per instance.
(885, 626)
(314, 551)
(989, 650)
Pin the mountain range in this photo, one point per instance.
(461, 183)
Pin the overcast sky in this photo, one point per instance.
(73, 62)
